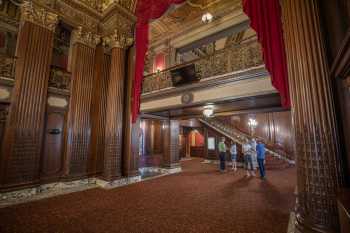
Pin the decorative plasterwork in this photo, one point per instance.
(38, 15)
(84, 37)
(118, 40)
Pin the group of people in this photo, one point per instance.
(251, 150)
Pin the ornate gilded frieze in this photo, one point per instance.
(7, 67)
(32, 13)
(59, 79)
(234, 58)
(118, 40)
(84, 37)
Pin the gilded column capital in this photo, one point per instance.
(38, 15)
(118, 39)
(87, 38)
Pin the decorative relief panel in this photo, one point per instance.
(87, 38)
(7, 67)
(37, 15)
(59, 79)
(118, 39)
(234, 58)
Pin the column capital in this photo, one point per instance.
(85, 37)
(118, 39)
(40, 16)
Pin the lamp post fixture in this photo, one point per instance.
(252, 123)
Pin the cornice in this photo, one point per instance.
(35, 14)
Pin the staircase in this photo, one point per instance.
(274, 159)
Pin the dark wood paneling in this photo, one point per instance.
(79, 120)
(131, 131)
(114, 117)
(98, 110)
(52, 159)
(171, 130)
(24, 132)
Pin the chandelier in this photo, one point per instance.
(208, 111)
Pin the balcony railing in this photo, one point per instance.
(7, 66)
(235, 58)
(59, 78)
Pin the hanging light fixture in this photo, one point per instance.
(208, 111)
(207, 17)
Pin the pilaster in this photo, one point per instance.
(79, 118)
(117, 42)
(318, 160)
(21, 151)
(171, 129)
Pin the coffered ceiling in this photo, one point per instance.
(181, 19)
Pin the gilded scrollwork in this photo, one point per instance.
(85, 37)
(7, 67)
(59, 79)
(234, 58)
(118, 40)
(31, 12)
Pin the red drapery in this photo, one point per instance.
(146, 10)
(265, 19)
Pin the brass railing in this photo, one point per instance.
(59, 78)
(7, 66)
(235, 58)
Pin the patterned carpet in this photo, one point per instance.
(200, 199)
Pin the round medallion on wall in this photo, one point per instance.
(187, 98)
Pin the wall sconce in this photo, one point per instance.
(207, 18)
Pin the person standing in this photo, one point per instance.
(253, 148)
(222, 154)
(247, 151)
(260, 151)
(233, 152)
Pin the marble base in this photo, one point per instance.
(291, 224)
(45, 191)
(118, 183)
(60, 188)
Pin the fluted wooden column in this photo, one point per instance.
(79, 118)
(171, 129)
(131, 131)
(20, 158)
(318, 160)
(115, 109)
(98, 110)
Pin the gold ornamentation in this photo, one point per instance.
(118, 40)
(37, 15)
(87, 38)
(230, 59)
(7, 67)
(60, 79)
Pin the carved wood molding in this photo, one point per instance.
(118, 40)
(40, 16)
(87, 38)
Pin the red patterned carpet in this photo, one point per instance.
(200, 199)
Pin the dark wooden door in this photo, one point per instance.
(52, 162)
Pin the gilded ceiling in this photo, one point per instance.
(188, 14)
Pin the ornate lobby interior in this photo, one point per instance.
(111, 113)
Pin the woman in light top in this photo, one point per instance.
(233, 152)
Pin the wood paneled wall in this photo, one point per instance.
(171, 147)
(274, 127)
(98, 110)
(20, 159)
(79, 118)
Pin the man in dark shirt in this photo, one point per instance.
(260, 154)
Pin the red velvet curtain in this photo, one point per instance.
(146, 10)
(265, 19)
